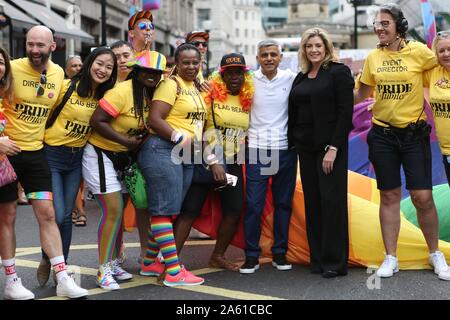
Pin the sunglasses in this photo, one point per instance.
(443, 34)
(198, 43)
(145, 25)
(384, 24)
(42, 82)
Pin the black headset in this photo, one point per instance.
(401, 24)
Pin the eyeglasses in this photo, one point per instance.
(42, 82)
(145, 25)
(443, 34)
(384, 24)
(198, 43)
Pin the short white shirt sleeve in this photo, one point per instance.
(269, 112)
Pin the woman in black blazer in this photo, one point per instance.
(320, 120)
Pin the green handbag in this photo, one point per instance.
(136, 186)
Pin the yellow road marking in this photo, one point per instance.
(139, 281)
(20, 252)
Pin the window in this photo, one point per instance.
(253, 33)
(236, 15)
(246, 49)
(203, 15)
(245, 15)
(237, 32)
(294, 8)
(246, 33)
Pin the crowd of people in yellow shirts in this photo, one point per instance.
(122, 112)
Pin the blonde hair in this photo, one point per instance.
(441, 35)
(6, 83)
(330, 54)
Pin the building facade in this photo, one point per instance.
(77, 24)
(305, 14)
(274, 12)
(247, 29)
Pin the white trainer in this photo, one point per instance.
(68, 288)
(14, 290)
(119, 273)
(388, 267)
(437, 260)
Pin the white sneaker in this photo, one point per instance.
(119, 273)
(437, 260)
(68, 288)
(14, 290)
(388, 267)
(105, 279)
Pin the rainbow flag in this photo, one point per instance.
(429, 23)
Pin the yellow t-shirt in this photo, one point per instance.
(438, 80)
(188, 112)
(71, 127)
(119, 104)
(231, 121)
(397, 78)
(27, 113)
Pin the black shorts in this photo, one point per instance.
(389, 150)
(446, 159)
(34, 175)
(231, 198)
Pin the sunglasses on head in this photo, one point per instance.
(443, 34)
(198, 43)
(145, 25)
(42, 82)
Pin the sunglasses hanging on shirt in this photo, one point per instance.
(42, 82)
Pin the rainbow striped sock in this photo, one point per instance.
(152, 249)
(163, 232)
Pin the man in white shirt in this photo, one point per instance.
(268, 156)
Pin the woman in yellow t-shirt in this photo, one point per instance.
(438, 81)
(400, 135)
(176, 119)
(14, 290)
(119, 129)
(228, 119)
(66, 137)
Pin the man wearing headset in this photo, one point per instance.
(400, 134)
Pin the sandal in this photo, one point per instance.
(74, 216)
(81, 220)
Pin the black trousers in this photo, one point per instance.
(326, 210)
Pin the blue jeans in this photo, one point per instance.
(65, 166)
(284, 177)
(167, 178)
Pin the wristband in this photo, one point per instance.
(211, 158)
(329, 147)
(176, 137)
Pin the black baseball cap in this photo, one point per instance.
(233, 60)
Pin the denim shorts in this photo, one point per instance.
(167, 177)
(388, 151)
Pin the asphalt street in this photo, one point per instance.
(267, 284)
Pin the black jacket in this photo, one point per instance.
(332, 106)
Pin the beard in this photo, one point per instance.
(41, 61)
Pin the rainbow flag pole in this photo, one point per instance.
(429, 23)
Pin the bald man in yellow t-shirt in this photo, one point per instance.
(37, 83)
